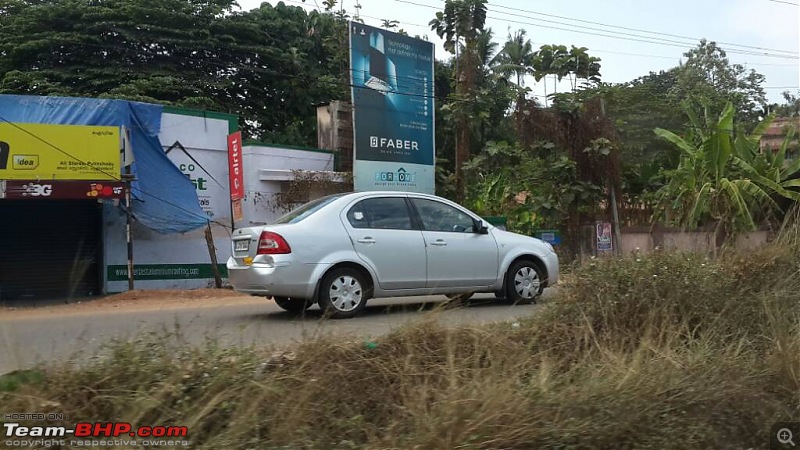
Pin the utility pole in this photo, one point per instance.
(128, 177)
(614, 212)
(129, 219)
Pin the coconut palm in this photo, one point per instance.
(516, 58)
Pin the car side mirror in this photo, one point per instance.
(480, 228)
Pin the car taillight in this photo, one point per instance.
(270, 243)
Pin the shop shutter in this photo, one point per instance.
(50, 249)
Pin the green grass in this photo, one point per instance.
(668, 351)
(12, 381)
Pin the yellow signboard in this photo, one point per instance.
(32, 151)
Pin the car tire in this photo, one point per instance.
(524, 283)
(343, 293)
(458, 298)
(295, 305)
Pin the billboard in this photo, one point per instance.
(393, 115)
(32, 151)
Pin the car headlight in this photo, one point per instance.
(549, 247)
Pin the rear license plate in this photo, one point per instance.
(242, 246)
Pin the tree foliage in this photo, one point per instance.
(532, 191)
(463, 21)
(707, 75)
(790, 107)
(270, 66)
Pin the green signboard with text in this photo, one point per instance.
(165, 272)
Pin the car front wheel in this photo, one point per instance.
(342, 293)
(524, 283)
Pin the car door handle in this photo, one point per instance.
(439, 243)
(367, 240)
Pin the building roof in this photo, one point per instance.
(774, 135)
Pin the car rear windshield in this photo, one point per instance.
(306, 210)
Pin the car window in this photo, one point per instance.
(306, 210)
(437, 216)
(390, 213)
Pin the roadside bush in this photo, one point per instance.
(668, 296)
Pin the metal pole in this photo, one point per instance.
(129, 220)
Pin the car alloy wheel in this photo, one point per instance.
(524, 282)
(343, 293)
(527, 283)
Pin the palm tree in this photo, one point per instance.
(516, 58)
(581, 65)
(461, 25)
(486, 49)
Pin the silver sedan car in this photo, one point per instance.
(341, 250)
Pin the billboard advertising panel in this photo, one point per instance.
(33, 151)
(72, 190)
(393, 115)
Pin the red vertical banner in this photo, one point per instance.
(235, 170)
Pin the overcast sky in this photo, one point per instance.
(762, 34)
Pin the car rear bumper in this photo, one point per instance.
(280, 279)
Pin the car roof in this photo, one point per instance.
(367, 194)
(360, 194)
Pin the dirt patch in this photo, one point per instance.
(170, 294)
(136, 300)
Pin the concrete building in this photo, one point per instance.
(71, 246)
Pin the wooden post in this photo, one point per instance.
(212, 252)
(617, 232)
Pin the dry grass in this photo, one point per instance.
(669, 351)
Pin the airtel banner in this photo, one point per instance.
(235, 171)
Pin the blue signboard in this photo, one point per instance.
(393, 119)
(552, 237)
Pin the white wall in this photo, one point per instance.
(178, 261)
(182, 261)
(258, 159)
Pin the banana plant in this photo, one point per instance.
(769, 169)
(707, 185)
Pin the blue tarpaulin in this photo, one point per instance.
(165, 200)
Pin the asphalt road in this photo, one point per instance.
(32, 336)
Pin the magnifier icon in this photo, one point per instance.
(785, 436)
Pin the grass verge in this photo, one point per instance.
(667, 351)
